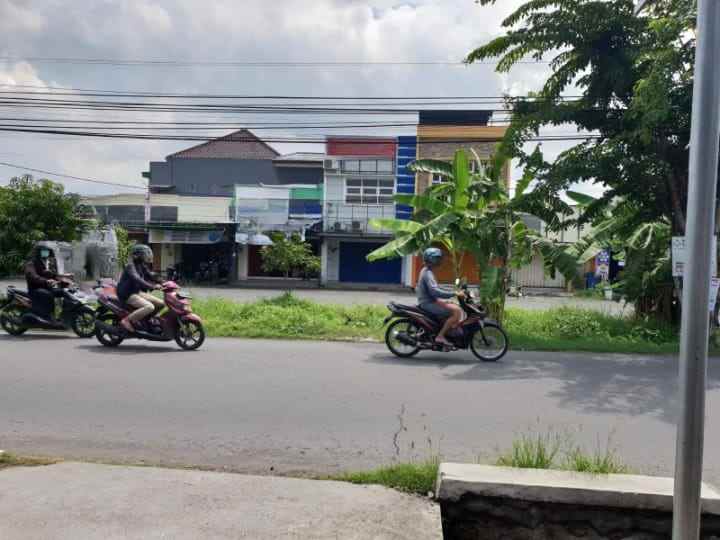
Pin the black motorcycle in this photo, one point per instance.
(17, 317)
(412, 329)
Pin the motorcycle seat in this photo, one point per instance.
(418, 309)
(20, 292)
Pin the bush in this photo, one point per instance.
(532, 452)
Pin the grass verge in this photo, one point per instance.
(418, 478)
(8, 460)
(561, 329)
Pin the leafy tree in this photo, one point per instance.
(633, 78)
(289, 254)
(474, 213)
(33, 210)
(124, 245)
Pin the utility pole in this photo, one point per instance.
(704, 138)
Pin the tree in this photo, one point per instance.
(633, 78)
(33, 210)
(289, 254)
(124, 245)
(474, 213)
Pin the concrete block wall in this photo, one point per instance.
(496, 503)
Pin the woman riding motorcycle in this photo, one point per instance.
(431, 297)
(135, 285)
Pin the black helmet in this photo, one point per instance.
(432, 256)
(142, 253)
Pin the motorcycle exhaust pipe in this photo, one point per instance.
(403, 338)
(109, 328)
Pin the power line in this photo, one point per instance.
(289, 140)
(250, 64)
(78, 178)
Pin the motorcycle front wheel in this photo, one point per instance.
(11, 321)
(83, 323)
(400, 336)
(190, 335)
(489, 343)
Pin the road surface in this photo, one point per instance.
(315, 407)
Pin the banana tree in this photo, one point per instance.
(472, 212)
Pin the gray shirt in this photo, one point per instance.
(428, 290)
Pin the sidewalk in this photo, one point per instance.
(89, 501)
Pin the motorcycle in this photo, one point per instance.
(174, 322)
(17, 317)
(413, 330)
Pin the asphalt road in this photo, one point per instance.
(315, 407)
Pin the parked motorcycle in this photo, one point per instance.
(17, 317)
(413, 330)
(174, 322)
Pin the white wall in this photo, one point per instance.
(330, 258)
(242, 262)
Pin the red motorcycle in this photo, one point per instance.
(174, 322)
(412, 330)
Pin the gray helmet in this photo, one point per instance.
(432, 256)
(143, 253)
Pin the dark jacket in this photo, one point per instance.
(38, 275)
(135, 278)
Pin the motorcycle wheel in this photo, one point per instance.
(493, 346)
(397, 347)
(10, 321)
(190, 335)
(83, 323)
(105, 338)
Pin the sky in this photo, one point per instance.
(228, 30)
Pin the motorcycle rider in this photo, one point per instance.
(135, 285)
(41, 279)
(432, 298)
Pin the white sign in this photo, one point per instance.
(714, 287)
(679, 256)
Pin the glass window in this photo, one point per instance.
(369, 191)
(351, 165)
(385, 166)
(353, 182)
(368, 165)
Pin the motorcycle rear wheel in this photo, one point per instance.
(397, 347)
(10, 321)
(105, 338)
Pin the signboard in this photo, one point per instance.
(714, 287)
(679, 256)
(603, 265)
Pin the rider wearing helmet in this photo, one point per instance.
(432, 298)
(135, 285)
(41, 278)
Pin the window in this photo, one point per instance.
(379, 166)
(473, 164)
(369, 191)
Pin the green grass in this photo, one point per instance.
(8, 460)
(416, 478)
(551, 451)
(561, 329)
(532, 452)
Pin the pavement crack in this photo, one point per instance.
(396, 437)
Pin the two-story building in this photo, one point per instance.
(362, 176)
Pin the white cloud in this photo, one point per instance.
(20, 16)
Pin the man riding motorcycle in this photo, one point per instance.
(431, 297)
(41, 279)
(135, 285)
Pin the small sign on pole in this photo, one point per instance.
(679, 256)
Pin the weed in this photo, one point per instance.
(416, 478)
(532, 451)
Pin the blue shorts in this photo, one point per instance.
(436, 309)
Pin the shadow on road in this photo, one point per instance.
(125, 350)
(29, 337)
(597, 383)
(441, 360)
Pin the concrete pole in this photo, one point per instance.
(704, 137)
